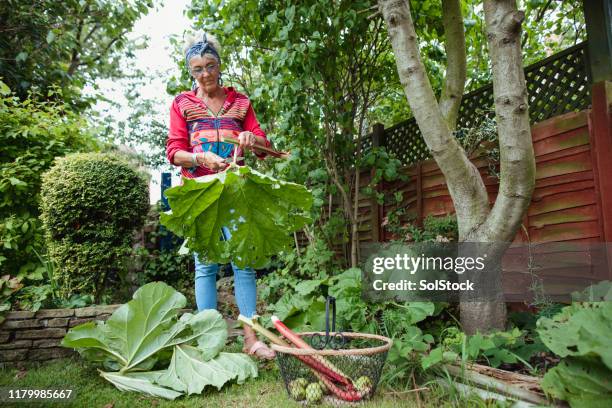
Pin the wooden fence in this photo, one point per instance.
(572, 201)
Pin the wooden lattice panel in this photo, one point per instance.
(406, 142)
(474, 105)
(556, 85)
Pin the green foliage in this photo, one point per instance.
(316, 261)
(138, 335)
(8, 286)
(434, 228)
(482, 140)
(302, 307)
(599, 292)
(494, 349)
(166, 266)
(579, 330)
(386, 167)
(580, 334)
(68, 44)
(260, 211)
(91, 204)
(583, 382)
(153, 263)
(32, 134)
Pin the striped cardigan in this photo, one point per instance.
(194, 128)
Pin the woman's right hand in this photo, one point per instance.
(211, 161)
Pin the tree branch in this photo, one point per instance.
(454, 44)
(517, 162)
(462, 178)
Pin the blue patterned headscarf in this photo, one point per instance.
(199, 49)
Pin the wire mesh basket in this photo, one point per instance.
(338, 377)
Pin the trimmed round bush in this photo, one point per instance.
(91, 203)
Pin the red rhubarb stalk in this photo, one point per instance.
(322, 372)
(338, 376)
(349, 395)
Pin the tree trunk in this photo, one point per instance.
(462, 178)
(517, 160)
(476, 221)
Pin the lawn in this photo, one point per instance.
(90, 390)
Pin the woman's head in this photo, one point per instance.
(203, 61)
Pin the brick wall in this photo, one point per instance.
(35, 336)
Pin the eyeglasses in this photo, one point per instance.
(210, 68)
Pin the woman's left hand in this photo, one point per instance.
(247, 139)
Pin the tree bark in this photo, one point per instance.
(476, 221)
(462, 178)
(454, 45)
(517, 160)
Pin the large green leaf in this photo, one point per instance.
(93, 344)
(209, 329)
(583, 382)
(138, 332)
(189, 373)
(139, 382)
(146, 324)
(579, 330)
(260, 211)
(139, 329)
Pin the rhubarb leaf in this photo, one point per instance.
(189, 373)
(583, 382)
(260, 211)
(209, 329)
(144, 329)
(139, 382)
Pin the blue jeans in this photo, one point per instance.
(206, 285)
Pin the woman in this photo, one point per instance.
(199, 119)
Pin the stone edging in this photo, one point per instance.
(36, 336)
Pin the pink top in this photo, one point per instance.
(194, 128)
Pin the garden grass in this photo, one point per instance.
(90, 390)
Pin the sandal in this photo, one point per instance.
(260, 350)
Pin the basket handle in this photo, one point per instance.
(335, 340)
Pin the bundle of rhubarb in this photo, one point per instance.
(338, 376)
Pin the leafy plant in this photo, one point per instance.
(33, 297)
(302, 307)
(91, 204)
(32, 135)
(580, 334)
(399, 322)
(8, 286)
(494, 349)
(261, 212)
(141, 332)
(433, 229)
(47, 48)
(386, 167)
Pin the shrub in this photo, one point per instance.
(91, 204)
(32, 134)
